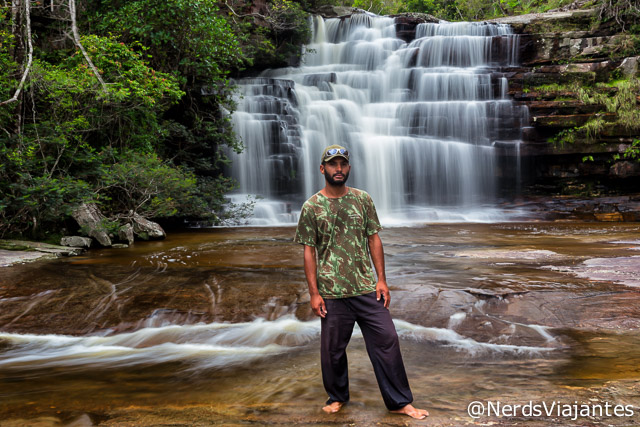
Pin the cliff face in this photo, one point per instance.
(562, 53)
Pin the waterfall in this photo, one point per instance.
(422, 120)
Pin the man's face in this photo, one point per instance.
(336, 171)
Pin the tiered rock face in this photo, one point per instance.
(566, 49)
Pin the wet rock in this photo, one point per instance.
(8, 258)
(147, 230)
(609, 217)
(125, 233)
(625, 169)
(321, 81)
(623, 270)
(89, 217)
(559, 122)
(406, 24)
(19, 251)
(586, 209)
(607, 213)
(77, 241)
(304, 298)
(629, 66)
(328, 11)
(521, 255)
(494, 293)
(534, 19)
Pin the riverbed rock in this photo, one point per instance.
(77, 241)
(20, 251)
(125, 233)
(147, 230)
(89, 217)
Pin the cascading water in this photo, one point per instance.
(421, 119)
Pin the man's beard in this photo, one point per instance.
(332, 181)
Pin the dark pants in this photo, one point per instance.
(382, 344)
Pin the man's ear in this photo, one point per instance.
(322, 168)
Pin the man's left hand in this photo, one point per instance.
(382, 291)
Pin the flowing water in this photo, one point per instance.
(214, 327)
(424, 120)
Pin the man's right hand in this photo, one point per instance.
(318, 307)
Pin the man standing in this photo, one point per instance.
(340, 225)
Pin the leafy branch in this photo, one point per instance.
(27, 68)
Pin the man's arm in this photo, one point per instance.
(311, 273)
(377, 256)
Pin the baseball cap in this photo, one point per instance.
(334, 151)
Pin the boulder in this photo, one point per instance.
(76, 241)
(89, 217)
(629, 66)
(147, 230)
(125, 233)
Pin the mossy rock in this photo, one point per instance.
(565, 78)
(10, 245)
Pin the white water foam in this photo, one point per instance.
(453, 339)
(214, 345)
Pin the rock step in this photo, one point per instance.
(25, 245)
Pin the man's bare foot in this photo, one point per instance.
(418, 414)
(333, 407)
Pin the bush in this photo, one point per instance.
(142, 184)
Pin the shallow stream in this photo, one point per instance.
(214, 327)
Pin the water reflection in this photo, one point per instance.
(214, 327)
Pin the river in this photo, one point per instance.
(213, 326)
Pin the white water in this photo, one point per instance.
(420, 119)
(202, 346)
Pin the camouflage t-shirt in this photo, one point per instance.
(338, 228)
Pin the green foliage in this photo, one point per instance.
(50, 162)
(462, 10)
(632, 152)
(9, 69)
(592, 128)
(443, 9)
(289, 25)
(280, 31)
(186, 37)
(30, 198)
(565, 136)
(75, 107)
(619, 97)
(380, 7)
(623, 13)
(197, 44)
(556, 88)
(139, 183)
